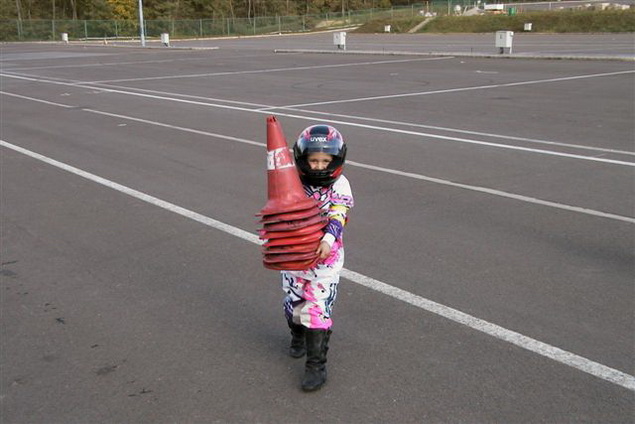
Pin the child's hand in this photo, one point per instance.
(323, 250)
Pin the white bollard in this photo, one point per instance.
(65, 37)
(339, 39)
(165, 39)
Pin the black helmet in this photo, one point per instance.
(319, 138)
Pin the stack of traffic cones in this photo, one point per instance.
(292, 222)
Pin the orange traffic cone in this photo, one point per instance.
(284, 188)
(292, 222)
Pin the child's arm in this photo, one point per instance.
(341, 202)
(337, 219)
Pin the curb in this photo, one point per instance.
(450, 54)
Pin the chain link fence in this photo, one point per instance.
(47, 30)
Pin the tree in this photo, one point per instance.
(177, 9)
(123, 9)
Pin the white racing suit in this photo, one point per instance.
(310, 294)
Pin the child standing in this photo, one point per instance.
(319, 155)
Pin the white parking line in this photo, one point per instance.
(99, 65)
(440, 181)
(383, 121)
(434, 180)
(348, 123)
(460, 131)
(33, 99)
(499, 193)
(455, 90)
(265, 71)
(564, 357)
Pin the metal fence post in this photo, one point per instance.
(85, 29)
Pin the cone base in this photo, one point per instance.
(289, 257)
(296, 248)
(292, 266)
(290, 216)
(269, 235)
(294, 224)
(289, 241)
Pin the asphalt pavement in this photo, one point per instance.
(489, 257)
(525, 45)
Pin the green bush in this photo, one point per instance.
(548, 21)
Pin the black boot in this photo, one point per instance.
(316, 347)
(298, 346)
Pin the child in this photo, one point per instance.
(319, 154)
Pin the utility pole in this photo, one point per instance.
(17, 6)
(142, 31)
(53, 21)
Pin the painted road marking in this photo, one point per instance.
(348, 123)
(564, 357)
(456, 130)
(93, 65)
(455, 90)
(385, 121)
(499, 193)
(479, 189)
(264, 71)
(36, 100)
(434, 180)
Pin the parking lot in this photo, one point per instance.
(489, 256)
